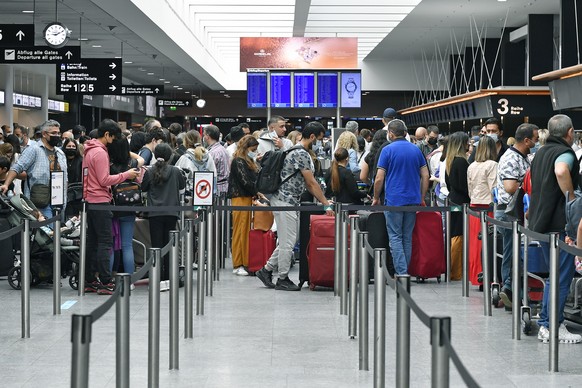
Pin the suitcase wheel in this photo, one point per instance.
(526, 323)
(74, 282)
(312, 286)
(438, 279)
(495, 298)
(420, 280)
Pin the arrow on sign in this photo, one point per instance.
(113, 66)
(112, 76)
(20, 35)
(157, 90)
(69, 54)
(187, 103)
(112, 88)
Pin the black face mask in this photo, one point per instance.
(70, 151)
(432, 140)
(54, 141)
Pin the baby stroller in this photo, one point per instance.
(41, 247)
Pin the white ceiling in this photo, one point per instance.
(386, 30)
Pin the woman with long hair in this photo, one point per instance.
(163, 184)
(481, 179)
(294, 136)
(196, 157)
(242, 189)
(340, 182)
(349, 141)
(367, 162)
(456, 166)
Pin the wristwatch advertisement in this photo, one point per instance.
(351, 90)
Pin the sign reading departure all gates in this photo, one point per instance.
(203, 188)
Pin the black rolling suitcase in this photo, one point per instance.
(375, 224)
(6, 249)
(304, 219)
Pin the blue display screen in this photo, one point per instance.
(280, 90)
(257, 90)
(327, 90)
(304, 90)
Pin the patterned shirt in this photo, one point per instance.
(290, 191)
(222, 163)
(512, 166)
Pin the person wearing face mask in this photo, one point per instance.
(429, 142)
(38, 162)
(494, 129)
(242, 189)
(22, 134)
(75, 174)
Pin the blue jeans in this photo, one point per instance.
(566, 274)
(506, 263)
(126, 225)
(399, 226)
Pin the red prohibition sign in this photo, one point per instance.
(203, 189)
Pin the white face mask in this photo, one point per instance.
(273, 135)
(493, 136)
(252, 154)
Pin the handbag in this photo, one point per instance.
(262, 220)
(515, 206)
(40, 195)
(127, 193)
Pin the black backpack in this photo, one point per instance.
(269, 178)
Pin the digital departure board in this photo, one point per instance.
(327, 90)
(304, 96)
(257, 90)
(280, 90)
(351, 89)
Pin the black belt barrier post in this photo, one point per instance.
(402, 333)
(123, 280)
(379, 319)
(57, 265)
(353, 299)
(515, 313)
(440, 354)
(465, 277)
(486, 269)
(189, 281)
(154, 319)
(554, 301)
(81, 339)
(448, 239)
(174, 300)
(337, 248)
(363, 303)
(25, 280)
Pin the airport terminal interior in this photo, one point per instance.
(192, 66)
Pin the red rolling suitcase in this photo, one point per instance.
(428, 247)
(321, 251)
(261, 247)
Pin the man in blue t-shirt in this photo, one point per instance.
(402, 168)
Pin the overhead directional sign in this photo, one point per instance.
(138, 90)
(176, 103)
(16, 35)
(40, 54)
(89, 76)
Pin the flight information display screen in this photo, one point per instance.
(304, 96)
(257, 90)
(327, 90)
(280, 90)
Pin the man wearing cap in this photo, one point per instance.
(236, 133)
(274, 138)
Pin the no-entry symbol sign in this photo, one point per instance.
(203, 188)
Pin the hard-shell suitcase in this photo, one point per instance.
(261, 247)
(428, 247)
(321, 251)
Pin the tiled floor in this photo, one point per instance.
(251, 336)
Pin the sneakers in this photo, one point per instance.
(506, 296)
(240, 271)
(91, 287)
(564, 336)
(266, 277)
(286, 285)
(106, 289)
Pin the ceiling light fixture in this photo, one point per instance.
(96, 46)
(200, 103)
(27, 11)
(128, 62)
(150, 73)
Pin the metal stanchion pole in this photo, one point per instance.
(448, 240)
(337, 248)
(363, 303)
(210, 252)
(343, 282)
(465, 279)
(440, 353)
(154, 320)
(379, 320)
(82, 251)
(553, 305)
(515, 313)
(486, 272)
(354, 252)
(201, 263)
(216, 242)
(182, 226)
(189, 282)
(123, 281)
(25, 279)
(495, 287)
(57, 266)
(402, 334)
(224, 233)
(228, 232)
(81, 339)
(174, 300)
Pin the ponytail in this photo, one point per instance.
(162, 152)
(339, 155)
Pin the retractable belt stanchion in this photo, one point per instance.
(25, 279)
(379, 320)
(363, 303)
(525, 308)
(201, 263)
(57, 265)
(81, 339)
(174, 300)
(337, 248)
(486, 272)
(353, 300)
(554, 301)
(182, 226)
(189, 281)
(228, 239)
(82, 251)
(495, 287)
(343, 282)
(123, 281)
(210, 252)
(440, 353)
(465, 279)
(154, 319)
(217, 242)
(402, 334)
(448, 239)
(515, 313)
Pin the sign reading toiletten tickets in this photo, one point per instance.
(203, 187)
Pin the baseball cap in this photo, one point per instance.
(389, 112)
